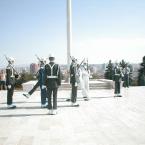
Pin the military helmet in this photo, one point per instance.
(51, 57)
(73, 59)
(85, 61)
(11, 60)
(42, 59)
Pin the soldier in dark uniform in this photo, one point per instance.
(52, 82)
(11, 76)
(117, 80)
(40, 76)
(74, 81)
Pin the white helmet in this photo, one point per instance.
(11, 60)
(43, 59)
(51, 58)
(51, 55)
(85, 61)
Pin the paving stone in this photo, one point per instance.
(104, 120)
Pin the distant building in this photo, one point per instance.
(34, 68)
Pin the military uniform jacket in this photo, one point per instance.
(10, 76)
(73, 73)
(41, 76)
(52, 75)
(117, 75)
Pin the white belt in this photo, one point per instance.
(117, 74)
(52, 77)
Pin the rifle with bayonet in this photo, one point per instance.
(38, 57)
(78, 65)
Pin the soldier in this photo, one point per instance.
(11, 76)
(85, 73)
(52, 82)
(117, 79)
(74, 80)
(40, 83)
(126, 73)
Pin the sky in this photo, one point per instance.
(101, 30)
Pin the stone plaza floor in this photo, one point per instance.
(104, 120)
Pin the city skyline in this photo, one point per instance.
(101, 30)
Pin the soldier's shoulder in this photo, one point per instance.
(56, 64)
(46, 65)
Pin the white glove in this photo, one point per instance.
(76, 84)
(9, 86)
(43, 87)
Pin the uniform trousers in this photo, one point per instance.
(126, 81)
(74, 93)
(117, 87)
(52, 98)
(10, 93)
(43, 92)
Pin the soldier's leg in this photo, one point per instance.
(10, 93)
(87, 89)
(34, 88)
(115, 90)
(128, 82)
(43, 96)
(27, 95)
(119, 88)
(9, 96)
(55, 98)
(49, 92)
(73, 94)
(119, 85)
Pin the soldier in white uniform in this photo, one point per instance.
(126, 72)
(84, 80)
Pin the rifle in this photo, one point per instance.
(81, 63)
(78, 65)
(38, 57)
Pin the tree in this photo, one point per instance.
(109, 71)
(141, 73)
(130, 74)
(123, 64)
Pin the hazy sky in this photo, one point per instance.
(102, 30)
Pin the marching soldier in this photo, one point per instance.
(52, 82)
(40, 83)
(74, 80)
(117, 80)
(85, 80)
(11, 76)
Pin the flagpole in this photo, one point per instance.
(69, 31)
